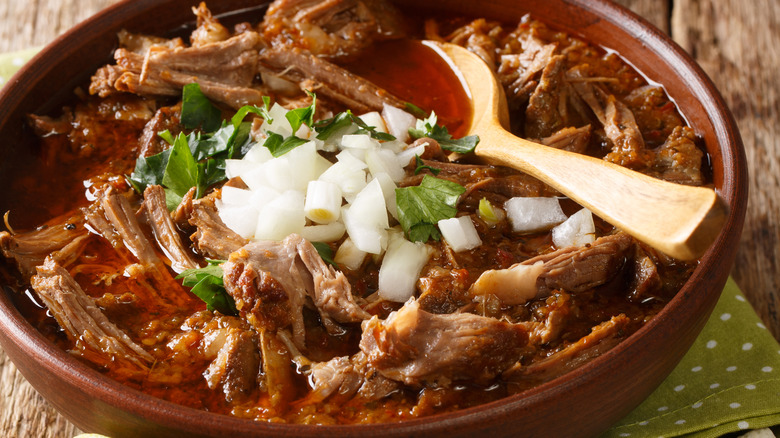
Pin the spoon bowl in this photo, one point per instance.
(680, 221)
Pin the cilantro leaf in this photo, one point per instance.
(421, 207)
(429, 128)
(197, 110)
(181, 171)
(415, 110)
(422, 166)
(279, 145)
(325, 252)
(304, 115)
(328, 127)
(207, 284)
(149, 171)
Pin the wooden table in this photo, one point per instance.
(733, 40)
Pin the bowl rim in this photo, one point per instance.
(112, 393)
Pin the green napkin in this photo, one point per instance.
(729, 380)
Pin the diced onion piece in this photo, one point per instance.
(401, 268)
(323, 233)
(348, 174)
(256, 177)
(489, 213)
(374, 119)
(280, 85)
(235, 196)
(398, 122)
(241, 219)
(262, 196)
(239, 168)
(405, 157)
(281, 217)
(384, 161)
(460, 233)
(388, 190)
(359, 141)
(280, 123)
(303, 164)
(323, 202)
(278, 174)
(514, 285)
(258, 154)
(366, 219)
(577, 230)
(349, 255)
(533, 214)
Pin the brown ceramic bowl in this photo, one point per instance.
(584, 402)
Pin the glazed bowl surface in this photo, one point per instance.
(584, 402)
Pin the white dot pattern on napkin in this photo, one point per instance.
(711, 344)
(725, 317)
(747, 346)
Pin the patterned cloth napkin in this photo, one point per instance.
(729, 381)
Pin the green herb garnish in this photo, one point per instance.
(197, 110)
(207, 284)
(326, 128)
(325, 252)
(421, 207)
(428, 128)
(422, 166)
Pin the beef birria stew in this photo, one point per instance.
(285, 221)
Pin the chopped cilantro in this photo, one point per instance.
(429, 128)
(326, 128)
(421, 207)
(422, 166)
(325, 251)
(207, 284)
(279, 145)
(197, 110)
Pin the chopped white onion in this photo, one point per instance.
(398, 122)
(577, 230)
(460, 233)
(401, 268)
(323, 202)
(359, 141)
(238, 168)
(366, 219)
(384, 161)
(258, 154)
(349, 255)
(405, 157)
(303, 165)
(241, 219)
(374, 119)
(323, 233)
(280, 124)
(235, 196)
(514, 285)
(388, 190)
(262, 196)
(281, 217)
(533, 214)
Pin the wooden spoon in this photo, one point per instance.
(680, 221)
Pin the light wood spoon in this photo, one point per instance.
(680, 221)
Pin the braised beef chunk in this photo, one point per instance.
(225, 71)
(326, 79)
(602, 338)
(332, 28)
(64, 241)
(347, 378)
(165, 119)
(212, 237)
(236, 366)
(416, 347)
(165, 231)
(262, 270)
(577, 269)
(82, 321)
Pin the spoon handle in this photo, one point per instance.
(681, 221)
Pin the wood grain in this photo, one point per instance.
(736, 42)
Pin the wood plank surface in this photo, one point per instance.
(736, 42)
